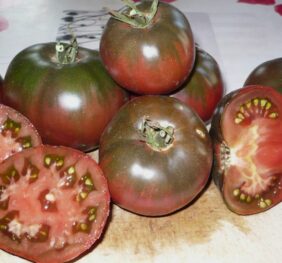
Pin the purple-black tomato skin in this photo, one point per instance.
(148, 181)
(204, 87)
(246, 132)
(69, 104)
(152, 60)
(268, 73)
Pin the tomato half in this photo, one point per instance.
(247, 137)
(154, 58)
(70, 104)
(268, 73)
(54, 202)
(16, 132)
(204, 88)
(156, 154)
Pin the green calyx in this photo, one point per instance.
(159, 138)
(66, 53)
(134, 16)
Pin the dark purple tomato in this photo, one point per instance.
(268, 73)
(204, 87)
(247, 138)
(156, 154)
(69, 103)
(154, 54)
(54, 204)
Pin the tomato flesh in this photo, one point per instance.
(54, 203)
(250, 153)
(16, 132)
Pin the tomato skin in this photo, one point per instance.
(246, 134)
(31, 212)
(204, 87)
(144, 180)
(69, 104)
(153, 60)
(268, 73)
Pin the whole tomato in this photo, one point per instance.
(204, 87)
(148, 48)
(268, 73)
(247, 138)
(69, 99)
(156, 154)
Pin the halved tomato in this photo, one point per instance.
(247, 138)
(54, 202)
(16, 132)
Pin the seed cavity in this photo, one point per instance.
(241, 196)
(10, 126)
(11, 175)
(257, 107)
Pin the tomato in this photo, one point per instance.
(268, 73)
(54, 203)
(204, 88)
(70, 103)
(156, 154)
(16, 132)
(247, 137)
(155, 54)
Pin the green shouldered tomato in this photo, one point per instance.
(68, 95)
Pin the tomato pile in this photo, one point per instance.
(143, 100)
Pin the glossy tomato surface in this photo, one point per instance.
(268, 73)
(17, 133)
(151, 60)
(69, 104)
(247, 136)
(54, 204)
(204, 88)
(156, 154)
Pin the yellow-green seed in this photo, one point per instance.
(71, 170)
(92, 217)
(59, 162)
(248, 104)
(273, 115)
(238, 120)
(242, 196)
(241, 116)
(83, 195)
(268, 105)
(262, 204)
(83, 226)
(47, 160)
(256, 102)
(236, 192)
(89, 182)
(268, 202)
(263, 102)
(249, 199)
(242, 109)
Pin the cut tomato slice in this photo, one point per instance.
(54, 203)
(16, 132)
(250, 149)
